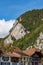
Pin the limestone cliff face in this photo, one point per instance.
(8, 40)
(39, 41)
(17, 31)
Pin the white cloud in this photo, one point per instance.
(5, 26)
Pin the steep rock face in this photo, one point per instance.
(8, 40)
(31, 22)
(39, 41)
(17, 31)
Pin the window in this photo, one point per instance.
(14, 63)
(2, 63)
(13, 59)
(34, 63)
(24, 58)
(24, 63)
(5, 58)
(35, 59)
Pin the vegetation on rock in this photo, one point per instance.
(33, 22)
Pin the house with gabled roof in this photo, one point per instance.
(31, 56)
(13, 58)
(36, 56)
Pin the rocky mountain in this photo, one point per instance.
(39, 42)
(16, 32)
(27, 30)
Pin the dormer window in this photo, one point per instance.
(5, 58)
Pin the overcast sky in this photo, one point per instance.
(11, 9)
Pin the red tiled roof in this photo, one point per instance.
(16, 49)
(37, 49)
(14, 54)
(19, 51)
(31, 51)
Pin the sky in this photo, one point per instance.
(11, 9)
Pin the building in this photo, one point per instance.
(36, 56)
(32, 56)
(14, 58)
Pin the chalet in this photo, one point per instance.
(31, 56)
(36, 56)
(14, 58)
